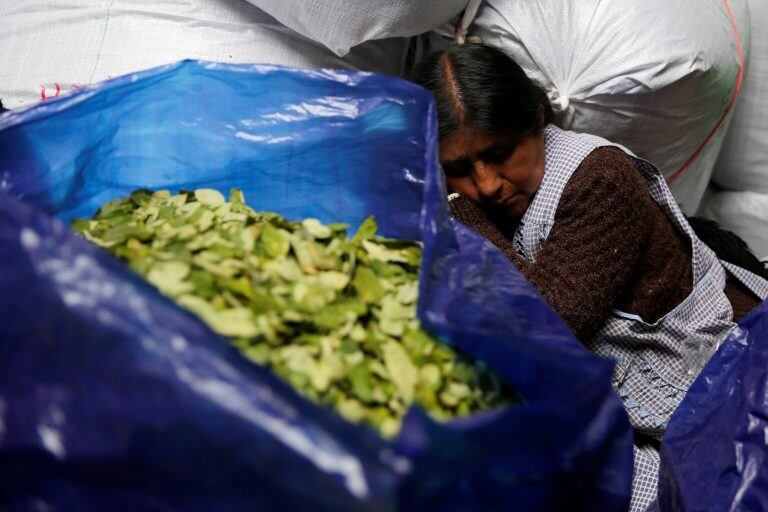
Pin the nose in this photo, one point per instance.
(487, 181)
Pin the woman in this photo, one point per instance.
(595, 229)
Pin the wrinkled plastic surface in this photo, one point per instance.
(715, 451)
(109, 393)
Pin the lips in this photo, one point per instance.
(515, 205)
(512, 199)
(504, 206)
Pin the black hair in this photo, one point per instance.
(480, 87)
(727, 245)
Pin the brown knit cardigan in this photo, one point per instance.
(611, 247)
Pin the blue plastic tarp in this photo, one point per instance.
(113, 397)
(715, 451)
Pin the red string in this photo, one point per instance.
(730, 105)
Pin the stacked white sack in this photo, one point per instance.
(343, 24)
(742, 168)
(743, 212)
(48, 47)
(658, 76)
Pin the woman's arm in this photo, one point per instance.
(591, 255)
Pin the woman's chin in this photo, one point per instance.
(516, 207)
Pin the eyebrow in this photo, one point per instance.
(501, 146)
(456, 161)
(456, 165)
(497, 147)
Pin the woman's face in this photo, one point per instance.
(500, 174)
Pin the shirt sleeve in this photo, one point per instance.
(590, 256)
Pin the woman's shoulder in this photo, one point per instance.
(608, 162)
(606, 176)
(605, 159)
(608, 166)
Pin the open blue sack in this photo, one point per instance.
(715, 451)
(111, 396)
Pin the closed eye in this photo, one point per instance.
(497, 154)
(499, 157)
(461, 168)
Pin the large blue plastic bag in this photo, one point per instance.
(715, 451)
(109, 393)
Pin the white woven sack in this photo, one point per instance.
(743, 162)
(49, 47)
(744, 213)
(657, 76)
(343, 24)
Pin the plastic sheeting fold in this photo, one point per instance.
(715, 451)
(109, 393)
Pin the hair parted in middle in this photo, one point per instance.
(479, 87)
